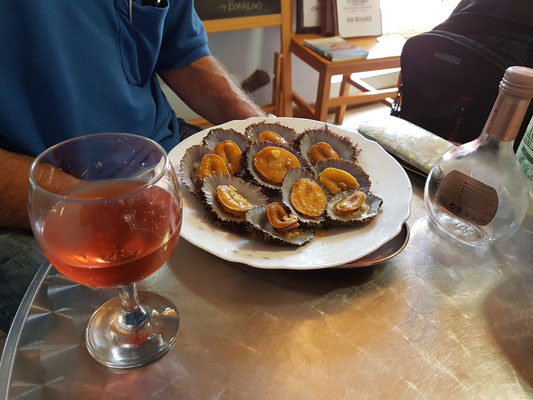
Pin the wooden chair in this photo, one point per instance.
(383, 54)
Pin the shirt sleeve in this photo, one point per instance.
(184, 37)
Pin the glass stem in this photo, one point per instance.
(132, 315)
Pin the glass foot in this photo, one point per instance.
(131, 340)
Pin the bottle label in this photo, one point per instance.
(468, 198)
(525, 152)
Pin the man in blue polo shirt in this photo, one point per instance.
(69, 68)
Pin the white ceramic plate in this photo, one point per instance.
(336, 246)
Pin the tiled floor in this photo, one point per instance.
(352, 119)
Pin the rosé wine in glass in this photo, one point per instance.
(106, 211)
(112, 243)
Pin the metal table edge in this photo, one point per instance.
(8, 355)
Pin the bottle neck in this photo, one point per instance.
(495, 145)
(506, 117)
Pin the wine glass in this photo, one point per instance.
(106, 211)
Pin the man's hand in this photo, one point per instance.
(210, 91)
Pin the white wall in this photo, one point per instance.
(242, 52)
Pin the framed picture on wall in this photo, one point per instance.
(308, 16)
(328, 17)
(358, 18)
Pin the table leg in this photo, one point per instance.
(322, 96)
(344, 89)
(277, 94)
(286, 86)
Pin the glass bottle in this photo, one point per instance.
(477, 192)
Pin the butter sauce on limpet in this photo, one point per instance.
(267, 163)
(351, 168)
(220, 210)
(340, 145)
(310, 214)
(255, 130)
(263, 230)
(228, 144)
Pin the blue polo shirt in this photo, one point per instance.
(74, 67)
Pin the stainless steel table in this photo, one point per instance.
(440, 320)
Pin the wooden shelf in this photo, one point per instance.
(235, 24)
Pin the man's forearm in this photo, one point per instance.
(209, 90)
(14, 189)
(14, 182)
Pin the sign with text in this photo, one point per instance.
(358, 18)
(220, 9)
(307, 16)
(311, 13)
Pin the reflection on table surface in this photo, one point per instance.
(440, 320)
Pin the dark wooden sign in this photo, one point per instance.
(222, 9)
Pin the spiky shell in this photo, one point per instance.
(190, 165)
(264, 231)
(217, 214)
(352, 168)
(293, 176)
(254, 130)
(252, 171)
(341, 144)
(218, 135)
(369, 210)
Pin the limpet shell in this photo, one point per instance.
(293, 176)
(264, 231)
(352, 168)
(254, 130)
(252, 193)
(341, 144)
(218, 135)
(370, 208)
(190, 165)
(252, 171)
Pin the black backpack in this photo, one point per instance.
(450, 75)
